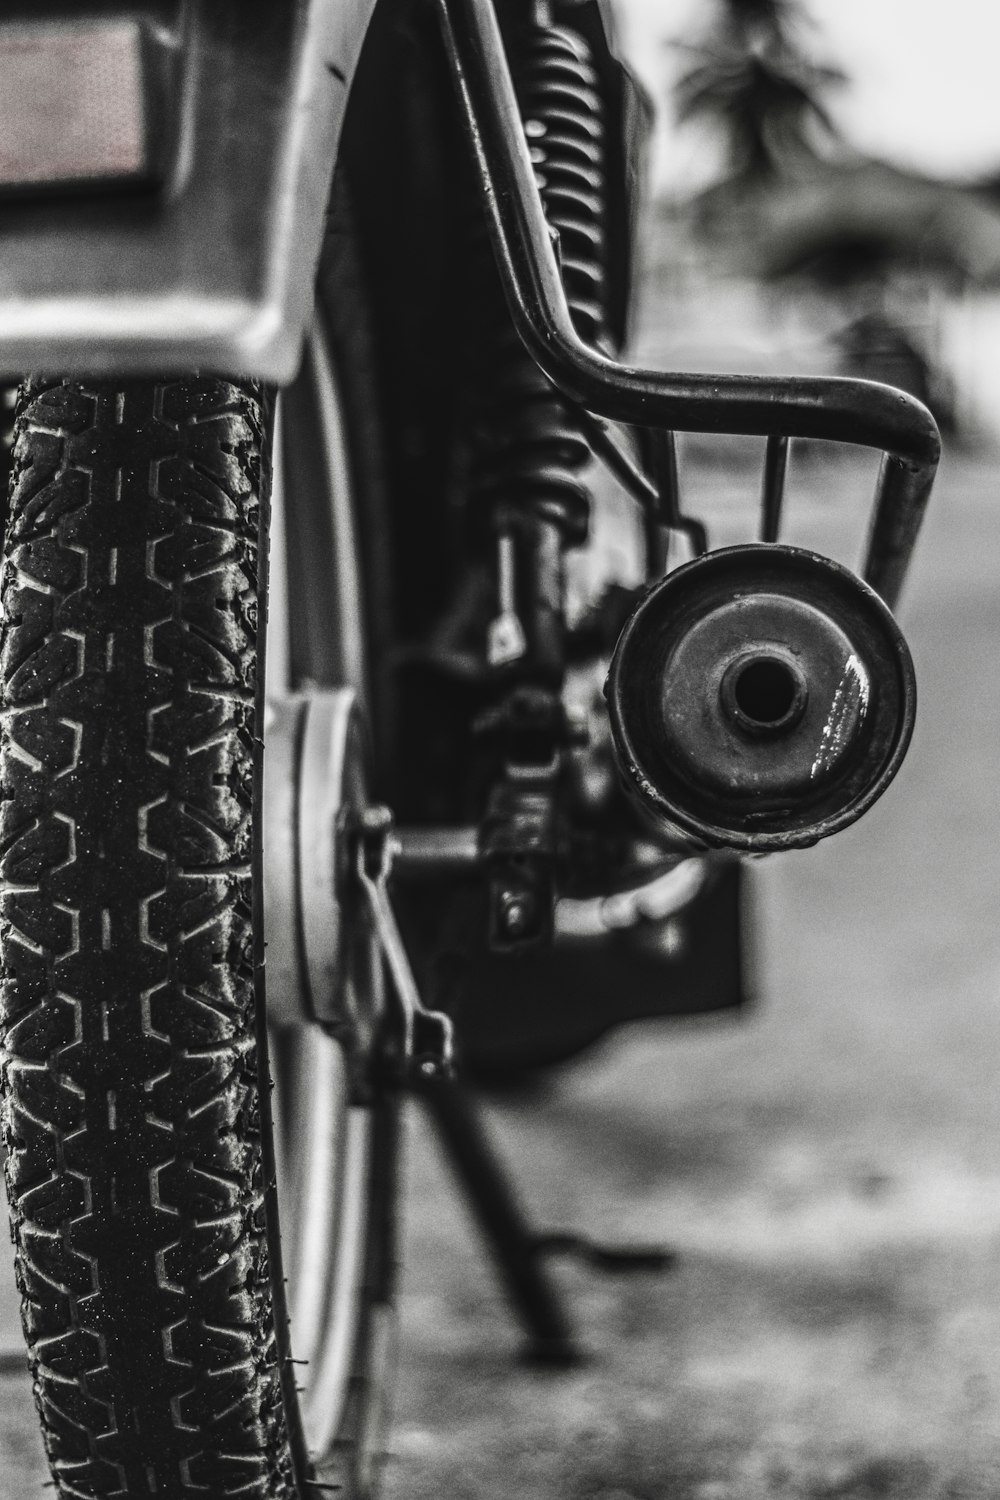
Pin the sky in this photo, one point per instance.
(923, 90)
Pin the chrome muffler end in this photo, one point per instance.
(761, 698)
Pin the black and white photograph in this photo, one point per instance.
(499, 748)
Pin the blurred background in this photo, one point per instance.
(828, 185)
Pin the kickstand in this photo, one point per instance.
(427, 1045)
(518, 1253)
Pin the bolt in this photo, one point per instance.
(377, 844)
(375, 820)
(517, 913)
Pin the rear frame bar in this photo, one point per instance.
(860, 412)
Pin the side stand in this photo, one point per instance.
(517, 1252)
(486, 1186)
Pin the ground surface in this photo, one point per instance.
(828, 1169)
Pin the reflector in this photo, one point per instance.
(72, 103)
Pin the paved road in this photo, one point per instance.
(829, 1170)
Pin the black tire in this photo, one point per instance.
(135, 1172)
(140, 1157)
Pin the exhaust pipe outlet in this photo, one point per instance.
(760, 698)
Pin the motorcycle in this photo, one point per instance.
(332, 300)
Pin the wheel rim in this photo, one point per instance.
(323, 1146)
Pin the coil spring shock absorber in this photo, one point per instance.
(563, 118)
(529, 455)
(526, 480)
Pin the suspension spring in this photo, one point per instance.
(563, 120)
(529, 454)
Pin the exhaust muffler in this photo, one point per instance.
(761, 698)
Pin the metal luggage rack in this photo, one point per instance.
(860, 412)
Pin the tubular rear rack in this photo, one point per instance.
(860, 412)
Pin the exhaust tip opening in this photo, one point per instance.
(760, 698)
(764, 693)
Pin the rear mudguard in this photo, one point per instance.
(212, 269)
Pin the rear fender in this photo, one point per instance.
(203, 259)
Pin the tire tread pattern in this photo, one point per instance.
(131, 1108)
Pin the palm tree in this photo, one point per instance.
(845, 227)
(770, 18)
(750, 79)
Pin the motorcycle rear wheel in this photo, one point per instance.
(141, 1157)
